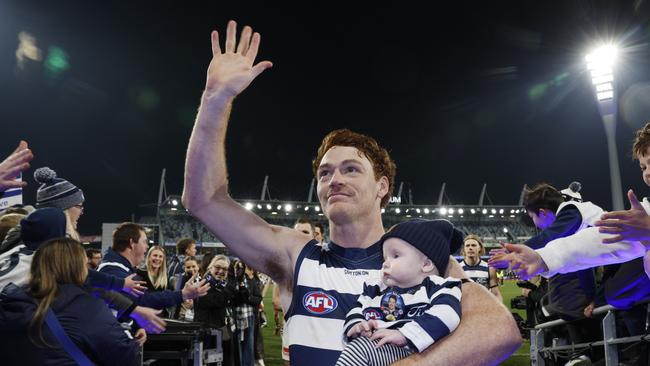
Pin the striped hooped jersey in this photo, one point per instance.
(479, 273)
(424, 313)
(327, 283)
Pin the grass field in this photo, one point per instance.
(272, 343)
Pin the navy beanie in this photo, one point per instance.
(437, 239)
(42, 225)
(56, 192)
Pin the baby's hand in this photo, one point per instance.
(392, 336)
(363, 328)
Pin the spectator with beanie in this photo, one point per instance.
(412, 306)
(59, 193)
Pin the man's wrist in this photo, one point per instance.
(217, 96)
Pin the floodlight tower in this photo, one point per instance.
(600, 63)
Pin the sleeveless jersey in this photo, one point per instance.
(327, 283)
(479, 272)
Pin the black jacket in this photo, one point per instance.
(211, 308)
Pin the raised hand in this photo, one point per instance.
(232, 70)
(192, 291)
(632, 224)
(524, 261)
(11, 167)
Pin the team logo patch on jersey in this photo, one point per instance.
(318, 302)
(371, 314)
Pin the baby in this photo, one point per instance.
(411, 307)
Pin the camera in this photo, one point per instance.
(518, 302)
(526, 284)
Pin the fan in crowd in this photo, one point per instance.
(55, 307)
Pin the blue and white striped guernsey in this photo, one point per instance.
(479, 272)
(424, 313)
(327, 284)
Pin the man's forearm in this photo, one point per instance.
(205, 165)
(498, 333)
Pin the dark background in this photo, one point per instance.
(460, 92)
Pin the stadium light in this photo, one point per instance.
(484, 211)
(288, 207)
(600, 63)
(249, 206)
(317, 208)
(450, 211)
(426, 211)
(268, 206)
(174, 202)
(473, 211)
(443, 211)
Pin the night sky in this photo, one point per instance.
(489, 92)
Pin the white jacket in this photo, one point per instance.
(585, 249)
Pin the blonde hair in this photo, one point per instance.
(478, 240)
(218, 258)
(70, 229)
(57, 261)
(159, 279)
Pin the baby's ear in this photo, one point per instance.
(429, 267)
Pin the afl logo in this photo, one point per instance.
(370, 314)
(318, 302)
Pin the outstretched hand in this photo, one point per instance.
(133, 286)
(632, 224)
(232, 70)
(149, 319)
(524, 261)
(11, 167)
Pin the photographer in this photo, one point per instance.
(248, 296)
(532, 295)
(214, 309)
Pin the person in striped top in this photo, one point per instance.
(411, 306)
(476, 268)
